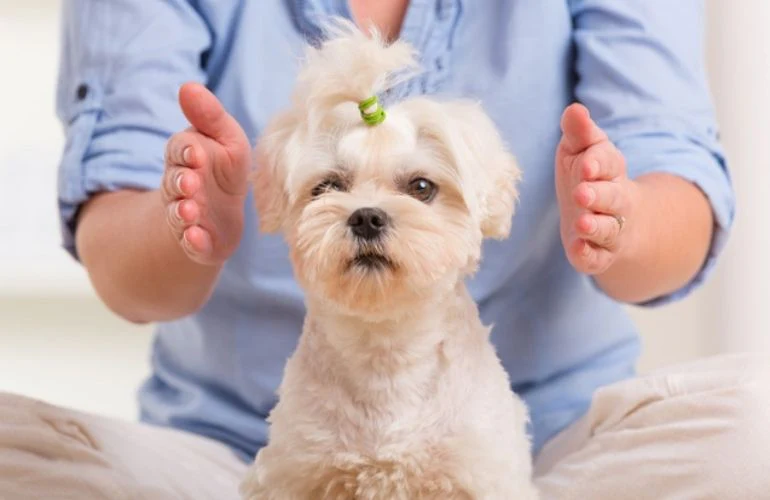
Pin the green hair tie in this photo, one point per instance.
(371, 111)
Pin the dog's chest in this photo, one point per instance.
(373, 393)
(380, 409)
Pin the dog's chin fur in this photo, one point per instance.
(394, 391)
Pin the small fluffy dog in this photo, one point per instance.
(394, 391)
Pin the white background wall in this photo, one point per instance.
(59, 343)
(739, 56)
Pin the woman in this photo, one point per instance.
(626, 199)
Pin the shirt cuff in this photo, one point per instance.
(107, 160)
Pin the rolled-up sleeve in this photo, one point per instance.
(641, 72)
(122, 63)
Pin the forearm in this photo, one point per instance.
(668, 239)
(135, 263)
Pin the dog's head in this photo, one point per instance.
(380, 216)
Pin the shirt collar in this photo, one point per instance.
(309, 14)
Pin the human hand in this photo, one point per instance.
(206, 179)
(596, 198)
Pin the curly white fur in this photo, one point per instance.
(394, 391)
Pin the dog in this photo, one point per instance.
(394, 390)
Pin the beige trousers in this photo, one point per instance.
(695, 432)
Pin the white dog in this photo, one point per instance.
(394, 391)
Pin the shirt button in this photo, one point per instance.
(82, 91)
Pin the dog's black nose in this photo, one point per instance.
(368, 223)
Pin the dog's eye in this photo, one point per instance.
(330, 184)
(422, 189)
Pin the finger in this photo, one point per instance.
(174, 219)
(589, 259)
(207, 115)
(601, 230)
(189, 212)
(602, 161)
(179, 182)
(602, 196)
(197, 243)
(579, 130)
(184, 149)
(181, 215)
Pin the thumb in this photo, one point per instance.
(580, 131)
(204, 112)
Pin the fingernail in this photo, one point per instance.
(176, 210)
(593, 226)
(178, 183)
(186, 153)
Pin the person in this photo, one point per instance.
(626, 199)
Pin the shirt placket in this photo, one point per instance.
(429, 26)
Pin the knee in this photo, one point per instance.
(12, 400)
(739, 451)
(747, 397)
(18, 410)
(34, 427)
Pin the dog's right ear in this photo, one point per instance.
(269, 176)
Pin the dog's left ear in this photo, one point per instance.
(489, 167)
(272, 155)
(499, 195)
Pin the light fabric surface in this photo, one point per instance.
(53, 453)
(694, 432)
(636, 64)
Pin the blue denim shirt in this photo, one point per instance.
(636, 64)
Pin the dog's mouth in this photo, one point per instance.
(371, 262)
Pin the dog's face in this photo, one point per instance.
(380, 217)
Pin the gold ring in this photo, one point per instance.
(621, 222)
